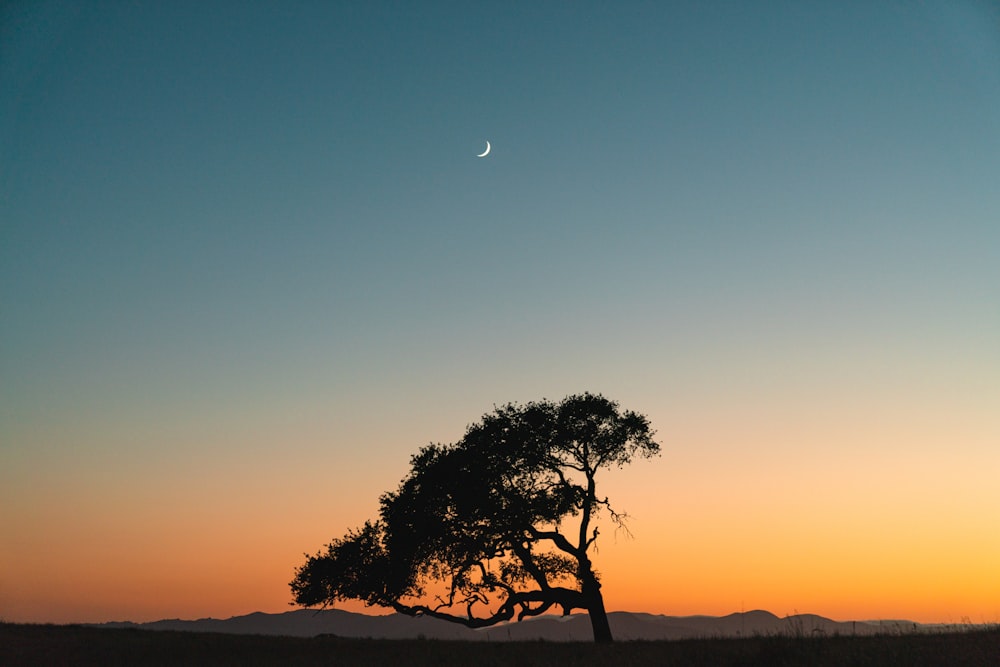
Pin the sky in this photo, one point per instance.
(250, 264)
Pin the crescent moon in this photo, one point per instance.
(485, 152)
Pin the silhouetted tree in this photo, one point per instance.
(497, 525)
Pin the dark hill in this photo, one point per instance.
(625, 626)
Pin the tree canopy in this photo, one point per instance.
(497, 525)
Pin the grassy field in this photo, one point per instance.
(83, 646)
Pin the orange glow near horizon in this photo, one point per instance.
(851, 533)
(695, 551)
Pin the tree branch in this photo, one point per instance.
(526, 610)
(524, 554)
(620, 519)
(557, 538)
(566, 598)
(588, 502)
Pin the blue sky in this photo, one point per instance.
(266, 220)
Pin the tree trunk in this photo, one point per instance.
(599, 621)
(595, 609)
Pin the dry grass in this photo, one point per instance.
(83, 646)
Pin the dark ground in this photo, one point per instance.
(82, 646)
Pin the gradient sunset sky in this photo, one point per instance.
(250, 263)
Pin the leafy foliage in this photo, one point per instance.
(485, 519)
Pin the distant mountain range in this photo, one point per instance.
(576, 627)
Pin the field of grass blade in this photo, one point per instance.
(83, 646)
